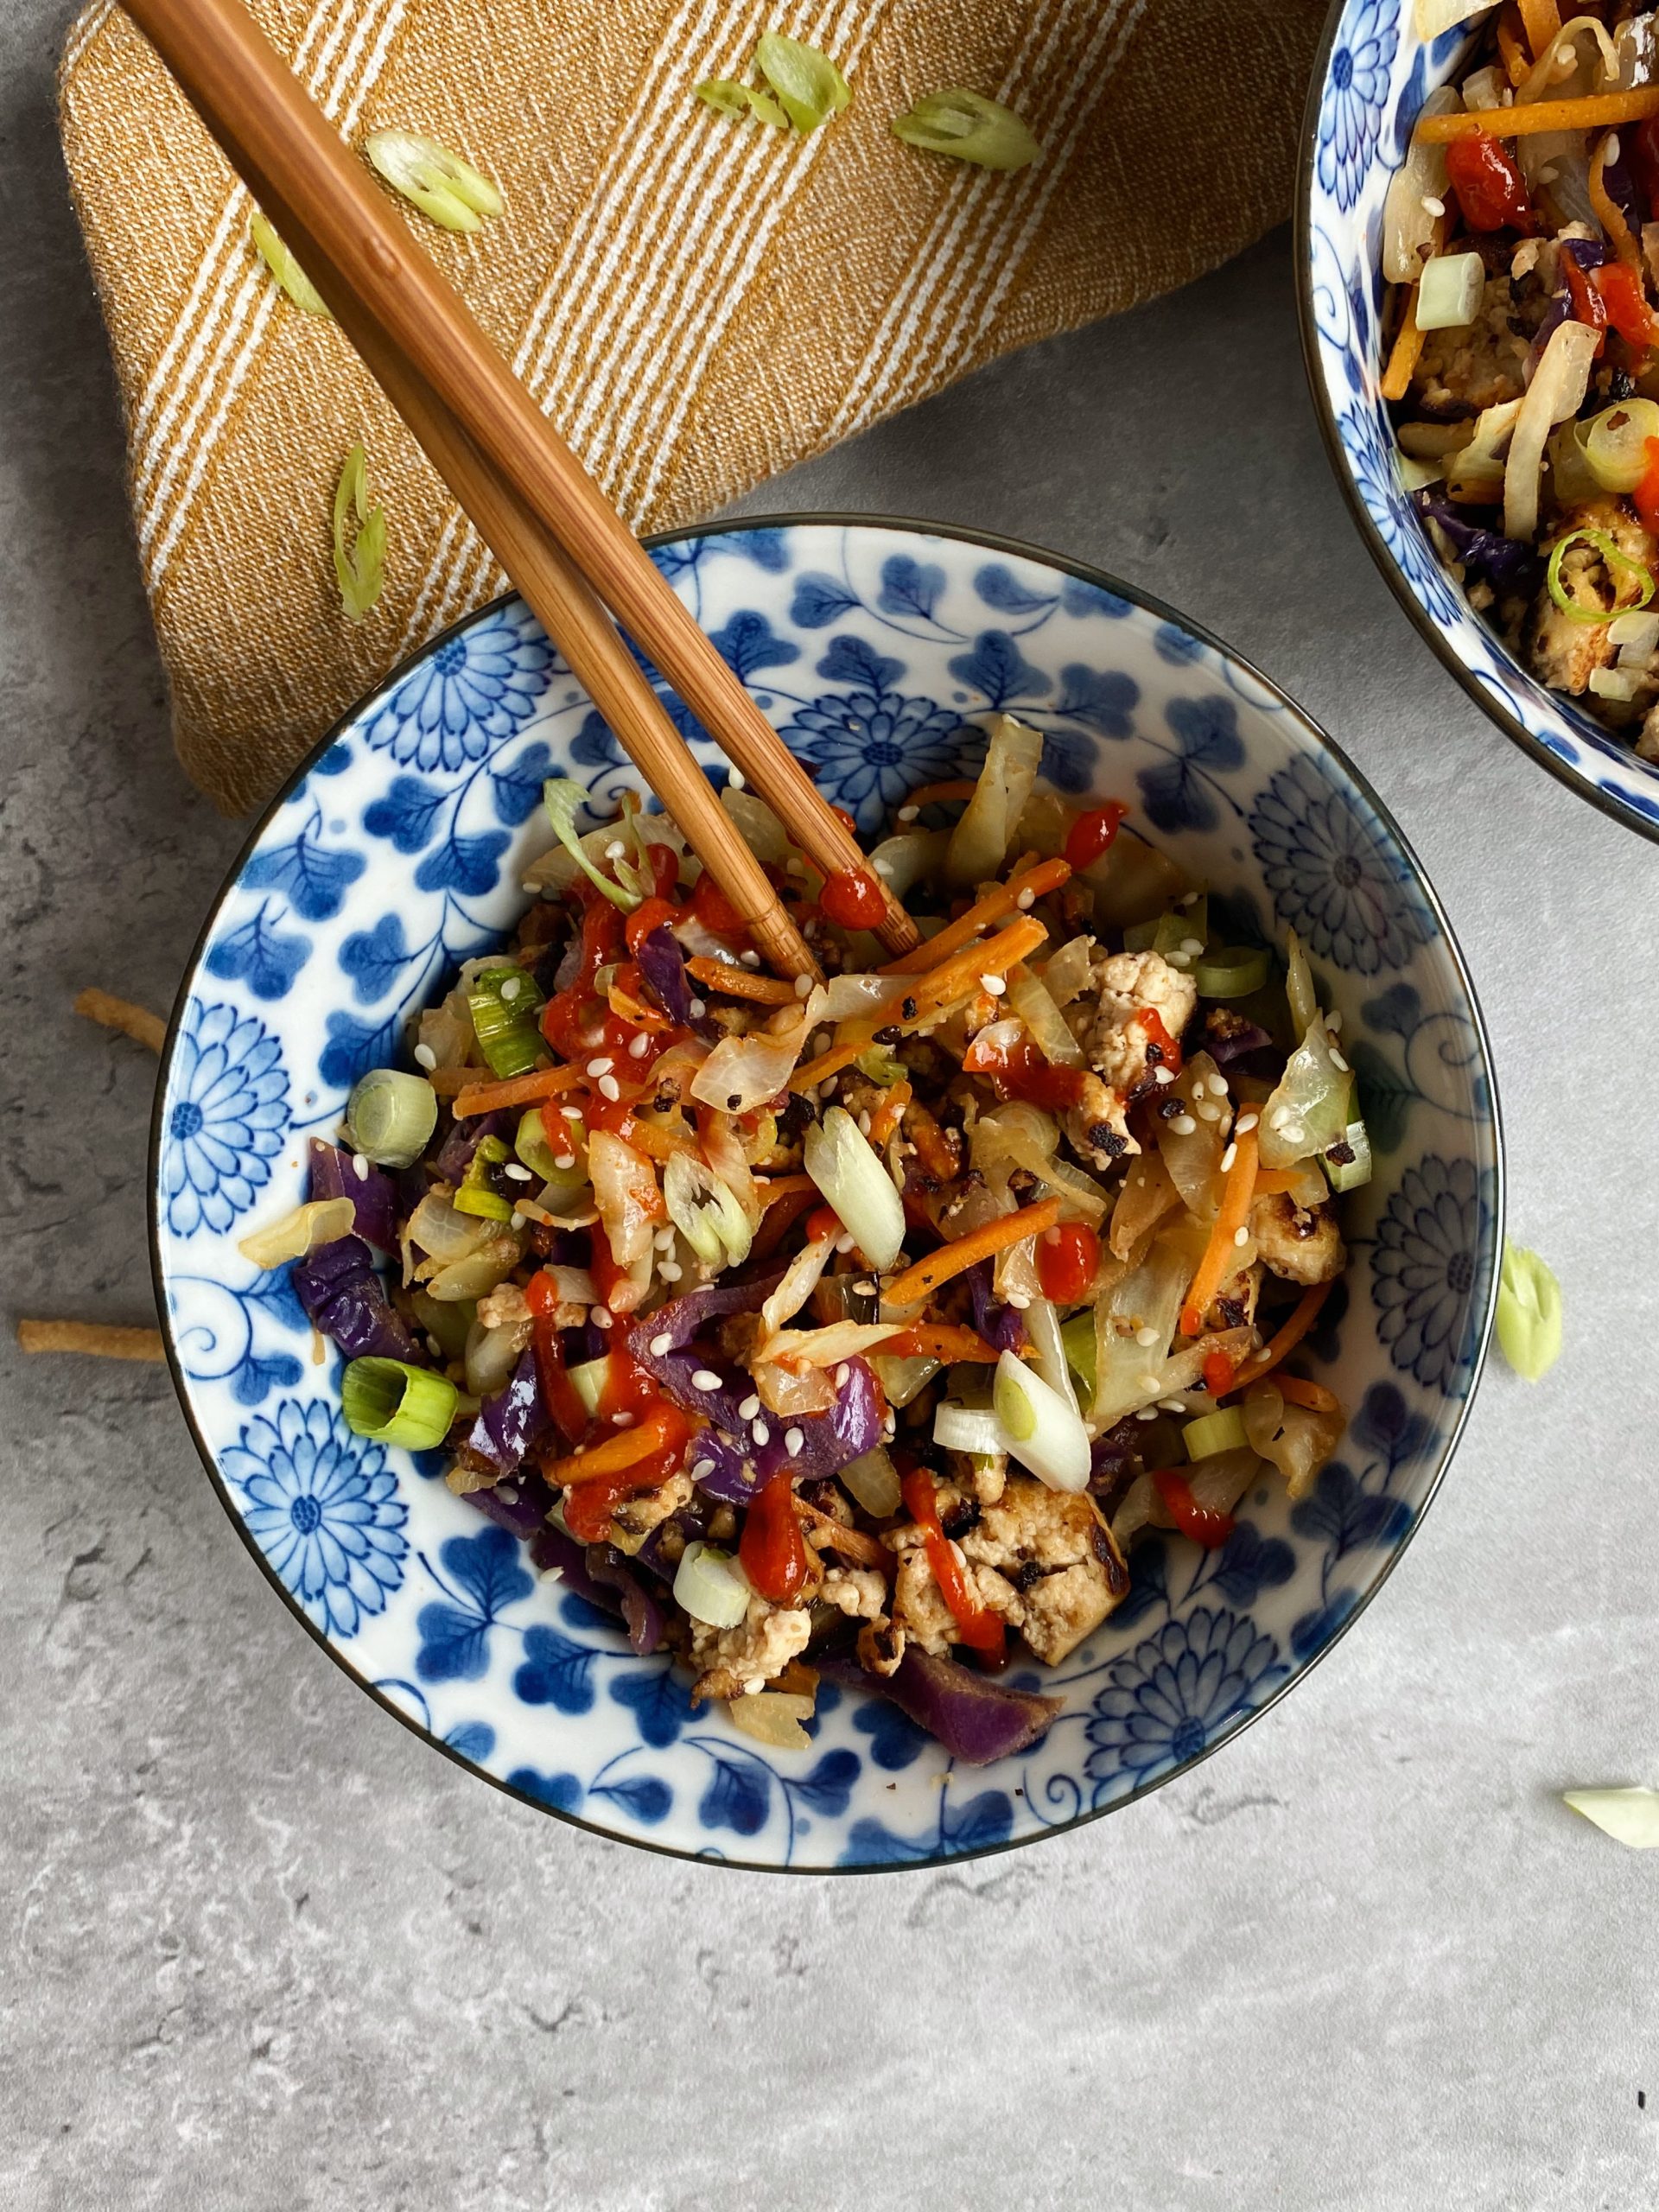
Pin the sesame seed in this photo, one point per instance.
(736, 781)
(827, 1089)
(1147, 1336)
(518, 1174)
(995, 984)
(759, 1431)
(1292, 1133)
(664, 1240)
(1337, 1062)
(1333, 1022)
(907, 814)
(696, 1008)
(621, 1421)
(748, 960)
(1019, 1299)
(1229, 1157)
(1191, 944)
(1163, 1075)
(793, 867)
(1245, 1122)
(661, 1344)
(1240, 1237)
(426, 1056)
(1026, 901)
(842, 1374)
(435, 1347)
(670, 1271)
(600, 1317)
(701, 1467)
(843, 1245)
(1147, 1413)
(1431, 206)
(1183, 1124)
(571, 1113)
(1218, 1086)
(802, 987)
(793, 1440)
(361, 1167)
(512, 987)
(615, 849)
(704, 1378)
(1187, 898)
(515, 1219)
(882, 868)
(609, 1088)
(1182, 960)
(865, 1289)
(1170, 1406)
(564, 1159)
(750, 1407)
(1610, 151)
(865, 1124)
(1147, 1382)
(601, 1067)
(639, 1047)
(1207, 1110)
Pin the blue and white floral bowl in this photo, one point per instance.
(398, 850)
(1371, 79)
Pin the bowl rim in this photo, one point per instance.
(1565, 772)
(990, 542)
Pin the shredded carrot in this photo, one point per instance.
(1403, 357)
(1595, 111)
(942, 1340)
(1510, 45)
(932, 995)
(1610, 215)
(774, 1187)
(516, 1090)
(888, 1114)
(741, 982)
(658, 1140)
(134, 1021)
(1270, 1181)
(940, 794)
(1281, 1346)
(1000, 901)
(623, 1449)
(932, 1146)
(1230, 1216)
(101, 1341)
(924, 1278)
(1314, 1395)
(1542, 19)
(783, 1211)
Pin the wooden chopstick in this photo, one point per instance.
(309, 183)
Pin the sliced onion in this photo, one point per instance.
(492, 1355)
(849, 1173)
(979, 844)
(968, 1428)
(744, 1072)
(827, 1347)
(1021, 1135)
(625, 1194)
(1556, 392)
(1043, 1431)
(723, 1148)
(800, 1280)
(1067, 974)
(773, 1717)
(1032, 1002)
(478, 1273)
(1218, 1482)
(845, 996)
(762, 832)
(436, 1228)
(319, 1221)
(710, 1586)
(873, 1482)
(1408, 227)
(901, 1380)
(1043, 1326)
(792, 1393)
(1133, 1512)
(912, 857)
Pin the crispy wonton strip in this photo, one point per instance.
(134, 1021)
(93, 1337)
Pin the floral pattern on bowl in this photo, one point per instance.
(1372, 78)
(399, 851)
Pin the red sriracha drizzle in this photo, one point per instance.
(1646, 494)
(588, 1506)
(771, 1549)
(1092, 834)
(853, 900)
(977, 1626)
(1209, 1528)
(1618, 293)
(1021, 1071)
(1067, 1256)
(1490, 189)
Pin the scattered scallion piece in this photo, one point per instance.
(1529, 1313)
(1347, 1163)
(478, 1194)
(1169, 934)
(1450, 290)
(361, 572)
(1630, 1816)
(1616, 561)
(532, 1147)
(451, 191)
(710, 1586)
(504, 1003)
(588, 1381)
(1223, 1431)
(741, 102)
(395, 1403)
(810, 88)
(967, 1428)
(1044, 1432)
(390, 1116)
(968, 128)
(1233, 972)
(284, 268)
(849, 1173)
(1616, 442)
(563, 802)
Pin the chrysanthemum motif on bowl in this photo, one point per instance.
(1372, 77)
(878, 651)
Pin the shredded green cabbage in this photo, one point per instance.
(563, 802)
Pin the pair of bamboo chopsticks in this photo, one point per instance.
(563, 545)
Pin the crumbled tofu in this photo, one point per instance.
(858, 1592)
(635, 1517)
(504, 1308)
(1097, 1126)
(1303, 1245)
(1476, 365)
(732, 1662)
(1122, 985)
(1564, 653)
(1233, 1306)
(983, 1475)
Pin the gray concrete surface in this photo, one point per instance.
(262, 1950)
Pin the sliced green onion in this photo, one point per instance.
(741, 102)
(707, 1211)
(967, 1428)
(1044, 1432)
(854, 1179)
(1170, 934)
(1312, 1106)
(478, 1194)
(901, 1380)
(1078, 1335)
(1615, 443)
(451, 191)
(1529, 1313)
(588, 1381)
(283, 267)
(810, 88)
(1348, 1163)
(1218, 1431)
(880, 1067)
(531, 1145)
(319, 1221)
(390, 1116)
(1614, 560)
(395, 1403)
(1298, 986)
(1630, 1816)
(1234, 973)
(1450, 291)
(873, 1481)
(968, 128)
(504, 1005)
(563, 802)
(710, 1586)
(361, 571)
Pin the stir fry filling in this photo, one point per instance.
(1521, 244)
(862, 1326)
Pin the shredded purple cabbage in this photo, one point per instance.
(511, 1422)
(602, 1577)
(1507, 563)
(975, 1718)
(1248, 1050)
(734, 1468)
(688, 1523)
(373, 1194)
(1001, 1325)
(681, 1359)
(345, 1298)
(454, 1154)
(1589, 253)
(663, 965)
(520, 1505)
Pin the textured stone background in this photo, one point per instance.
(263, 1950)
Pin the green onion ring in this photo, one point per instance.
(1602, 542)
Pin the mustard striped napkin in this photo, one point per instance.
(697, 304)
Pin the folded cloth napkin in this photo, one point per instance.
(697, 302)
